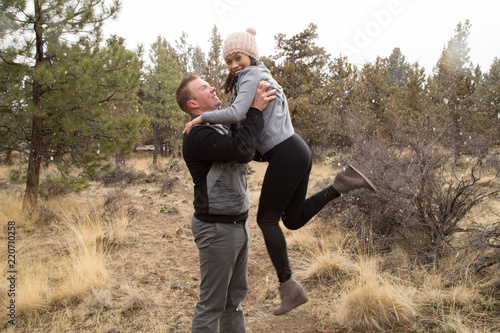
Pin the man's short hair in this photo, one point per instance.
(183, 94)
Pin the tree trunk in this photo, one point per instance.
(457, 129)
(164, 149)
(168, 150)
(156, 151)
(8, 158)
(120, 159)
(34, 162)
(35, 158)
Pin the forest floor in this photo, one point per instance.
(152, 273)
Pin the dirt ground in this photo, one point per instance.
(163, 261)
(154, 270)
(154, 273)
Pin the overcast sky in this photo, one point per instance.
(360, 29)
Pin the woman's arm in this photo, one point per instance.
(247, 85)
(249, 81)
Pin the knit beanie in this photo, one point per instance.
(242, 42)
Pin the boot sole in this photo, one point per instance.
(288, 310)
(372, 187)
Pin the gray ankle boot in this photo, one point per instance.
(292, 295)
(351, 179)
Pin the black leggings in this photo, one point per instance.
(283, 195)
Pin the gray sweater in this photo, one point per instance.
(277, 123)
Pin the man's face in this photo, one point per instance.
(205, 98)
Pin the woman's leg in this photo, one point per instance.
(296, 167)
(300, 210)
(283, 195)
(273, 199)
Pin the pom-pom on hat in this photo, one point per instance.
(242, 42)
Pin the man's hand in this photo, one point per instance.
(262, 97)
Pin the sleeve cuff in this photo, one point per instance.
(254, 110)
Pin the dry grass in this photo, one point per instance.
(375, 302)
(324, 254)
(325, 265)
(35, 291)
(140, 163)
(93, 227)
(84, 270)
(45, 279)
(258, 171)
(69, 261)
(112, 260)
(301, 240)
(4, 171)
(132, 298)
(10, 211)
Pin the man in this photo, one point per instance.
(215, 158)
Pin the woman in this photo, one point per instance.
(284, 188)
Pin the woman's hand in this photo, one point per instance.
(193, 122)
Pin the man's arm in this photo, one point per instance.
(206, 143)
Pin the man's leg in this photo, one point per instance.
(216, 244)
(232, 320)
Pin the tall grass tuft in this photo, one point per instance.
(374, 303)
(11, 210)
(34, 286)
(95, 227)
(325, 262)
(132, 298)
(84, 270)
(69, 264)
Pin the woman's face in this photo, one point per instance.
(236, 62)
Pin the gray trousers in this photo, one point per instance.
(223, 250)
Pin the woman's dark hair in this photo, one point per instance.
(228, 86)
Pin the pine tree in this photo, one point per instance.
(397, 68)
(490, 101)
(337, 106)
(301, 69)
(123, 111)
(454, 86)
(412, 98)
(215, 69)
(69, 83)
(184, 53)
(199, 63)
(13, 123)
(160, 81)
(373, 95)
(410, 109)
